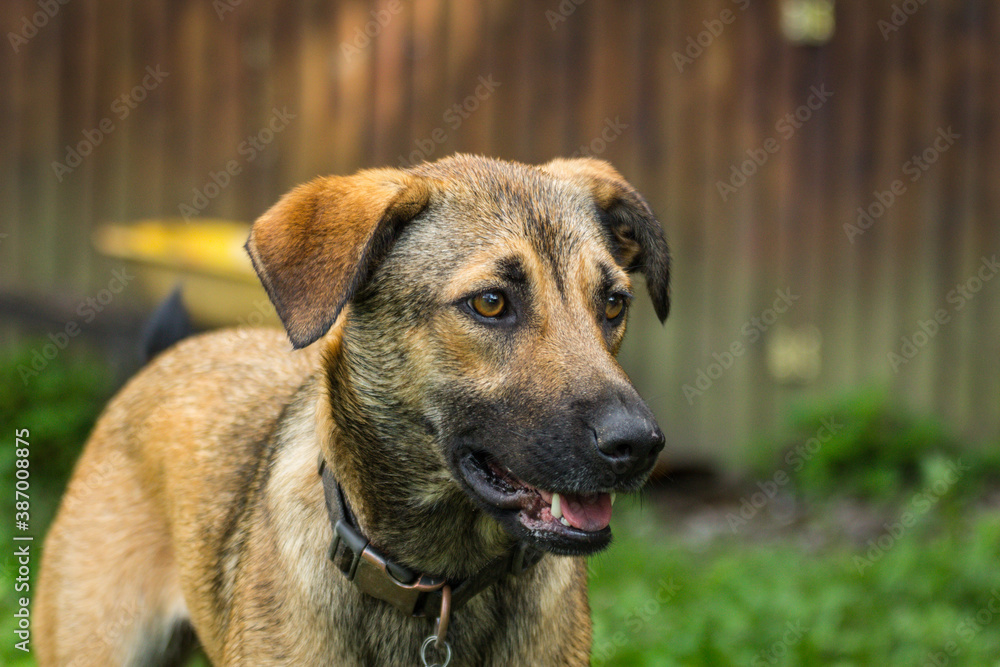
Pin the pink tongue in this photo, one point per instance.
(589, 513)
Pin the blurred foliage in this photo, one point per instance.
(862, 445)
(59, 407)
(660, 602)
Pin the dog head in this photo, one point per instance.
(484, 303)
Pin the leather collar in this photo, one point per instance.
(412, 593)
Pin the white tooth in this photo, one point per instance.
(613, 497)
(564, 522)
(556, 506)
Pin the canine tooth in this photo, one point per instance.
(613, 495)
(556, 506)
(564, 522)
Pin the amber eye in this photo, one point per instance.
(614, 306)
(489, 304)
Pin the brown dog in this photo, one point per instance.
(463, 397)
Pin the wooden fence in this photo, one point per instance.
(829, 204)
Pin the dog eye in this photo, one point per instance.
(489, 304)
(614, 306)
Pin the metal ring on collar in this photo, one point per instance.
(423, 652)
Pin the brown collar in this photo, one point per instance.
(412, 593)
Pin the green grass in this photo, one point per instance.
(657, 600)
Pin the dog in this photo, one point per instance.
(417, 476)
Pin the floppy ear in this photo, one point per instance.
(636, 237)
(322, 241)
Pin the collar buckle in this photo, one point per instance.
(377, 576)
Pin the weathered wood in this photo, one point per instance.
(369, 85)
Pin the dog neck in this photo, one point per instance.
(401, 492)
(415, 594)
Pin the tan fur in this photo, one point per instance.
(197, 499)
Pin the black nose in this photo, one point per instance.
(628, 438)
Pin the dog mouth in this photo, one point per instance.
(564, 522)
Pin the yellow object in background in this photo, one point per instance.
(206, 256)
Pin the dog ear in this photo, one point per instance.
(637, 238)
(322, 241)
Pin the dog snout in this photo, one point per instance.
(628, 438)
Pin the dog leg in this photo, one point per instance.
(109, 592)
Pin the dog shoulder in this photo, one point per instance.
(237, 350)
(208, 403)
